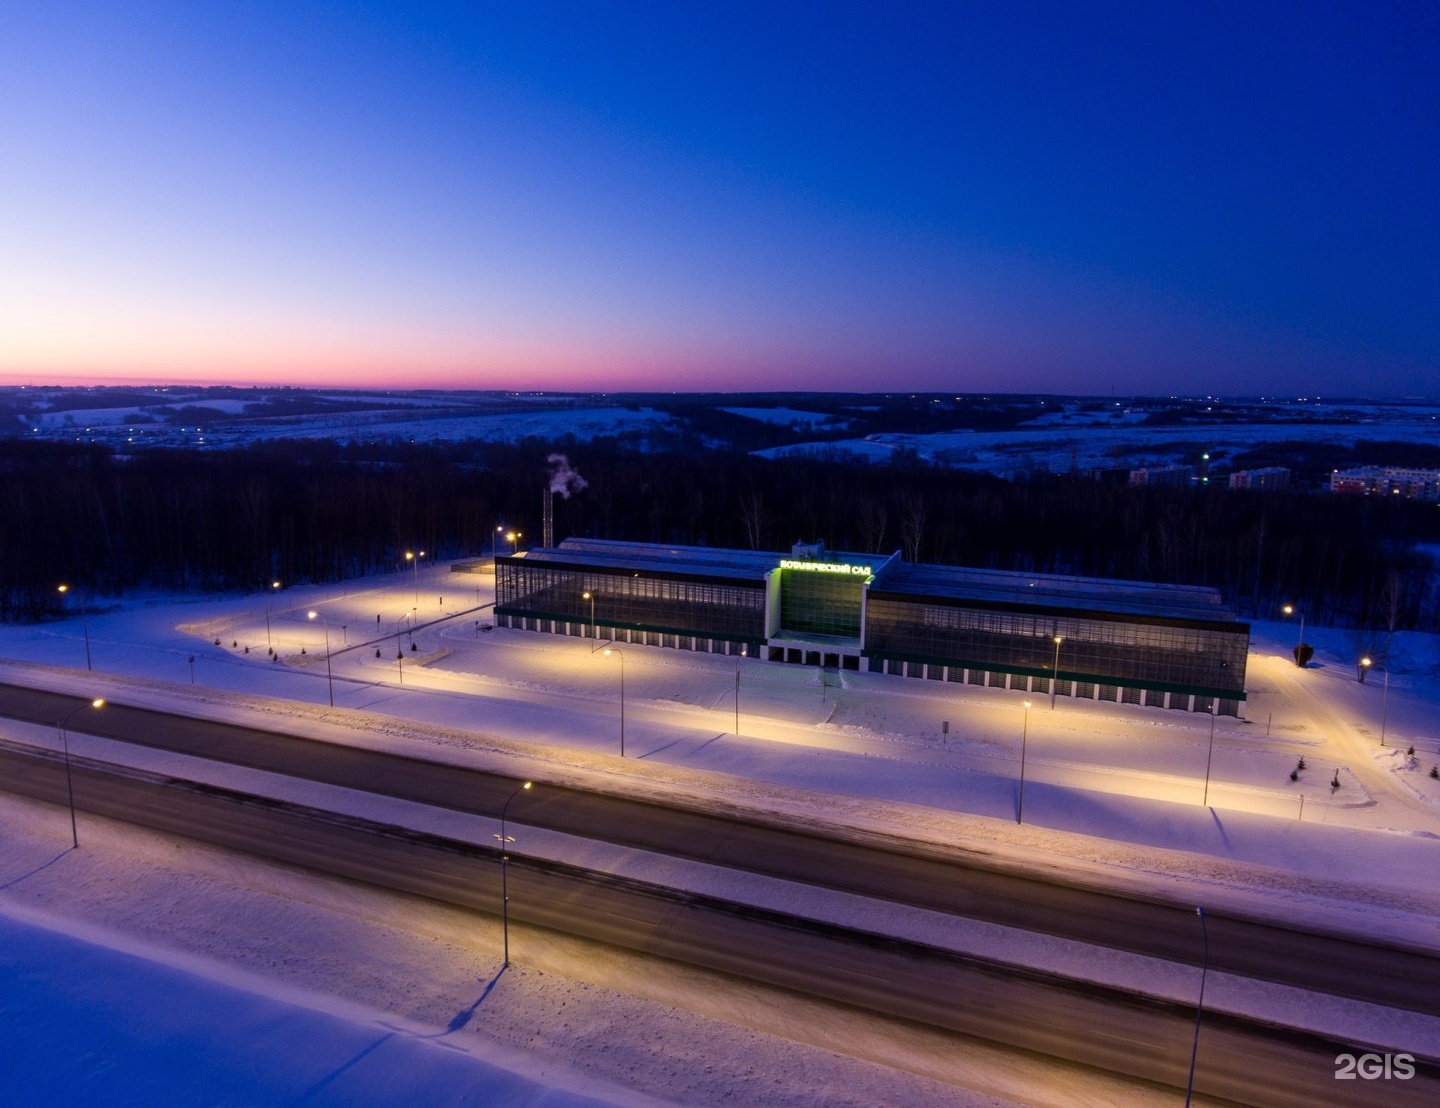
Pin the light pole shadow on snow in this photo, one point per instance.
(38, 869)
(462, 1018)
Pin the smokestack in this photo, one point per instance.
(563, 480)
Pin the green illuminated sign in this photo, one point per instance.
(826, 567)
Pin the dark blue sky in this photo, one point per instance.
(1057, 197)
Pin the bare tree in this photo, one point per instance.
(874, 517)
(912, 525)
(753, 518)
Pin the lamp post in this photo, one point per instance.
(1366, 663)
(1055, 673)
(329, 677)
(1291, 610)
(737, 692)
(513, 538)
(1209, 754)
(65, 745)
(1199, 1005)
(505, 841)
(269, 643)
(1024, 736)
(590, 596)
(84, 625)
(414, 560)
(619, 654)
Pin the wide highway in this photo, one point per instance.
(955, 879)
(1240, 1060)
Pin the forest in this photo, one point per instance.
(306, 511)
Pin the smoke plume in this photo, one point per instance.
(563, 479)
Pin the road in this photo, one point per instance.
(1239, 1060)
(955, 880)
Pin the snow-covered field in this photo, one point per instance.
(1069, 439)
(136, 945)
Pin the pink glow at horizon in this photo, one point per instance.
(586, 197)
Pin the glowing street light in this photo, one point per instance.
(1366, 663)
(1210, 754)
(1055, 673)
(590, 596)
(737, 691)
(609, 650)
(84, 625)
(513, 538)
(1024, 736)
(65, 744)
(329, 677)
(505, 841)
(274, 586)
(414, 560)
(1291, 610)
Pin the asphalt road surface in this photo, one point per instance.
(1239, 1060)
(955, 880)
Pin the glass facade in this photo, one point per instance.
(1127, 643)
(712, 609)
(1206, 659)
(821, 603)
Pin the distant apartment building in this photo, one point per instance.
(1276, 478)
(1412, 484)
(1163, 475)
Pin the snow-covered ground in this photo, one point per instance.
(1110, 790)
(1062, 441)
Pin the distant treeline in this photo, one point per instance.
(314, 512)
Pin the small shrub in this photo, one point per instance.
(1294, 775)
(1335, 781)
(1435, 772)
(1300, 765)
(1411, 751)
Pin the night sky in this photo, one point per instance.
(1062, 197)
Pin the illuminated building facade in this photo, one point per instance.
(1411, 484)
(1126, 642)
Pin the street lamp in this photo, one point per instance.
(1024, 736)
(513, 538)
(737, 692)
(1291, 610)
(505, 840)
(617, 652)
(65, 744)
(414, 560)
(84, 625)
(1366, 663)
(1055, 673)
(1205, 797)
(1199, 1005)
(329, 677)
(268, 642)
(590, 596)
